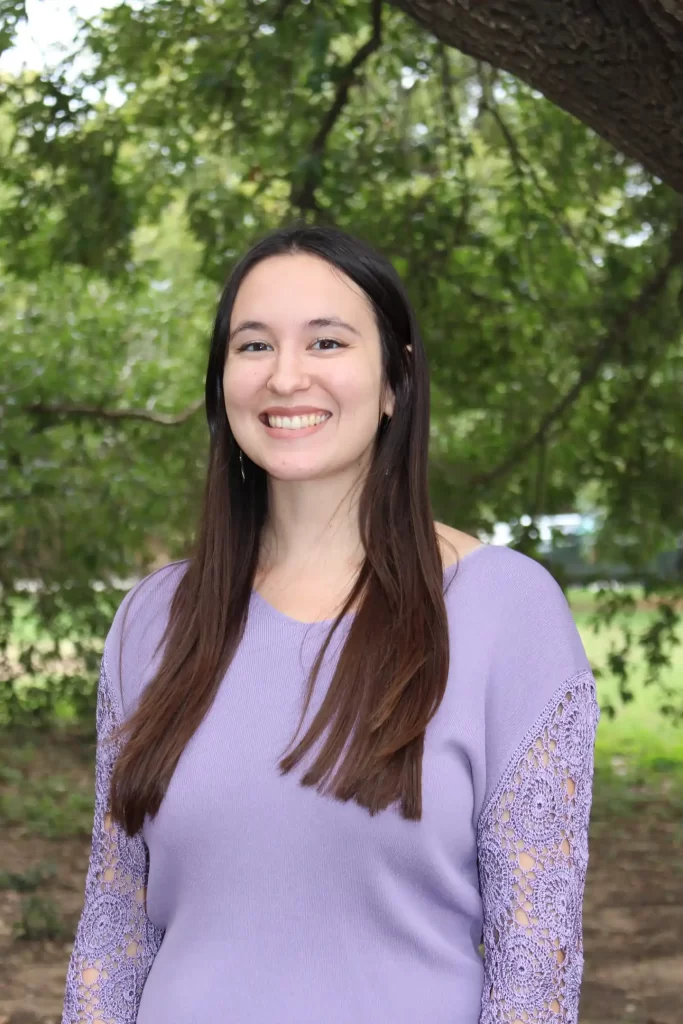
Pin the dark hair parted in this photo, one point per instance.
(392, 670)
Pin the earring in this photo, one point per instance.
(242, 465)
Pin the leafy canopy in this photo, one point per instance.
(545, 269)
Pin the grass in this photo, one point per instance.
(40, 918)
(639, 752)
(46, 790)
(639, 733)
(47, 808)
(29, 880)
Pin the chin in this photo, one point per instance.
(301, 473)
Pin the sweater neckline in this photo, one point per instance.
(286, 620)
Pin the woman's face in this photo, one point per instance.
(302, 334)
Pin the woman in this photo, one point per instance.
(443, 783)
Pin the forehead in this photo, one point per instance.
(300, 287)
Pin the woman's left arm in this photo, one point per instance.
(532, 840)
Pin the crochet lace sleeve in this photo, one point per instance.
(115, 941)
(533, 853)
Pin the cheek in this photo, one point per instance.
(227, 389)
(353, 385)
(239, 383)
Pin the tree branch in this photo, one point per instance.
(637, 307)
(281, 11)
(522, 165)
(617, 67)
(305, 198)
(99, 412)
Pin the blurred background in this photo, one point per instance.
(534, 211)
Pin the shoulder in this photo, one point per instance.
(530, 602)
(533, 645)
(150, 597)
(454, 544)
(517, 610)
(138, 627)
(155, 588)
(533, 661)
(506, 578)
(521, 582)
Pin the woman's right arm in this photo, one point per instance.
(115, 943)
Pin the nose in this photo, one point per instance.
(288, 373)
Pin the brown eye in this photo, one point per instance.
(328, 341)
(332, 340)
(248, 344)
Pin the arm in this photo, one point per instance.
(115, 942)
(532, 842)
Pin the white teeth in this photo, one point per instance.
(297, 422)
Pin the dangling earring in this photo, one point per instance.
(242, 465)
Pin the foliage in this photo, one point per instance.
(40, 919)
(29, 880)
(54, 805)
(545, 268)
(11, 13)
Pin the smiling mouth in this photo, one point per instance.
(264, 417)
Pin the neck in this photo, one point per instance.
(312, 527)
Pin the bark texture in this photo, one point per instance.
(617, 65)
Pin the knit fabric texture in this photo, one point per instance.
(250, 899)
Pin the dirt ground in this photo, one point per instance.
(633, 908)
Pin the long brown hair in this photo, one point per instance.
(391, 674)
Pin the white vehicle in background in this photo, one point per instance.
(569, 524)
(568, 541)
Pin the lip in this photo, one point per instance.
(295, 410)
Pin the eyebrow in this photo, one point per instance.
(321, 321)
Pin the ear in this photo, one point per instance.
(389, 404)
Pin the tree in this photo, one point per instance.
(547, 271)
(617, 67)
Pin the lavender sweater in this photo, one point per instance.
(252, 900)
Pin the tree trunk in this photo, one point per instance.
(617, 65)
